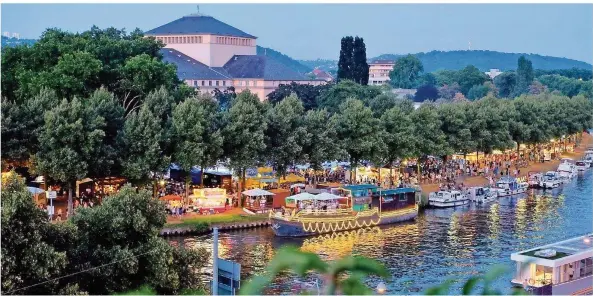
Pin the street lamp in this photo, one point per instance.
(381, 288)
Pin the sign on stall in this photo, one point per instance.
(52, 194)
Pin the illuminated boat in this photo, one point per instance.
(366, 206)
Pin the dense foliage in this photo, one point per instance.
(458, 59)
(101, 250)
(353, 62)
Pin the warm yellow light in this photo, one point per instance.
(381, 288)
(162, 182)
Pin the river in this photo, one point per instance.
(440, 244)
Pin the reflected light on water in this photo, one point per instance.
(454, 243)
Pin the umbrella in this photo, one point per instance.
(297, 185)
(35, 190)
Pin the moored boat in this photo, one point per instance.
(550, 180)
(366, 206)
(508, 186)
(535, 179)
(444, 199)
(581, 166)
(481, 194)
(567, 169)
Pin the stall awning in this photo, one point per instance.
(328, 196)
(302, 196)
(257, 192)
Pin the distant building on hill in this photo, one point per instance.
(210, 54)
(493, 73)
(403, 93)
(379, 71)
(320, 74)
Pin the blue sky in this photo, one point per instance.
(310, 31)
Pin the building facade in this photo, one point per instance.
(210, 54)
(493, 73)
(379, 71)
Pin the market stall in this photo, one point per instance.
(209, 199)
(279, 199)
(258, 200)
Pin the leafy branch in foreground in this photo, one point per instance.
(292, 259)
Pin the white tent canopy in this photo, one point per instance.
(257, 192)
(302, 196)
(297, 185)
(328, 196)
(35, 190)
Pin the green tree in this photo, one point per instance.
(524, 76)
(285, 134)
(490, 127)
(69, 143)
(358, 131)
(195, 134)
(346, 60)
(477, 92)
(224, 98)
(406, 72)
(125, 229)
(28, 256)
(322, 142)
(361, 67)
(470, 76)
(141, 140)
(446, 77)
(22, 123)
(427, 79)
(399, 138)
(383, 102)
(106, 106)
(448, 91)
(339, 93)
(244, 132)
(456, 127)
(427, 126)
(307, 93)
(505, 83)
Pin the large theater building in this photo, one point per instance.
(210, 54)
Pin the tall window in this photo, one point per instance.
(209, 82)
(195, 83)
(223, 83)
(216, 82)
(203, 82)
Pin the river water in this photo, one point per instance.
(440, 244)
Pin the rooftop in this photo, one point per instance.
(188, 68)
(381, 62)
(567, 251)
(261, 67)
(198, 24)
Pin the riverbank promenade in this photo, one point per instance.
(578, 153)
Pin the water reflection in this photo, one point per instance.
(442, 243)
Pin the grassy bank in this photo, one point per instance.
(216, 219)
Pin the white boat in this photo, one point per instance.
(588, 159)
(481, 194)
(567, 169)
(443, 199)
(581, 166)
(551, 180)
(508, 186)
(535, 180)
(562, 268)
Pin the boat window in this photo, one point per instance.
(402, 197)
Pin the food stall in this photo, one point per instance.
(258, 200)
(209, 199)
(279, 199)
(172, 201)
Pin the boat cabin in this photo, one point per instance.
(395, 199)
(562, 268)
(360, 195)
(509, 183)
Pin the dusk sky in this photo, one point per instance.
(310, 31)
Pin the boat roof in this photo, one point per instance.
(397, 191)
(452, 191)
(567, 251)
(360, 187)
(507, 179)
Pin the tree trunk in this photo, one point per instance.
(70, 198)
(391, 174)
(242, 186)
(202, 176)
(187, 181)
(155, 187)
(380, 176)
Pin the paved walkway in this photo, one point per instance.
(578, 153)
